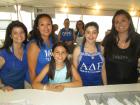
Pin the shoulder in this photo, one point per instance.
(136, 43)
(63, 29)
(99, 46)
(108, 40)
(76, 52)
(137, 40)
(73, 67)
(33, 47)
(3, 52)
(71, 29)
(33, 44)
(137, 37)
(77, 49)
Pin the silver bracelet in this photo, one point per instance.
(1, 85)
(45, 87)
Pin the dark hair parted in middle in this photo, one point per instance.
(113, 38)
(131, 29)
(94, 24)
(36, 35)
(52, 65)
(8, 40)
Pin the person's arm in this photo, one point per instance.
(5, 88)
(59, 36)
(75, 56)
(2, 61)
(74, 37)
(32, 56)
(104, 76)
(76, 80)
(36, 84)
(1, 84)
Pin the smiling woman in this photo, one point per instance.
(88, 58)
(122, 50)
(7, 17)
(13, 63)
(40, 47)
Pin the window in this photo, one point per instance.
(104, 23)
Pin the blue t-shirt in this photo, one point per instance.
(90, 67)
(44, 57)
(13, 71)
(66, 35)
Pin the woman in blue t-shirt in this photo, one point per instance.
(40, 46)
(13, 62)
(88, 58)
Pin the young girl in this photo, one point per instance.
(60, 71)
(88, 58)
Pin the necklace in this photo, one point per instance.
(90, 49)
(123, 45)
(19, 53)
(60, 68)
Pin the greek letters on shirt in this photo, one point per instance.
(93, 68)
(120, 57)
(48, 54)
(68, 33)
(44, 56)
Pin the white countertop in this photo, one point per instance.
(70, 96)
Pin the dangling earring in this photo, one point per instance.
(11, 36)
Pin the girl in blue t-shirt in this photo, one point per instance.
(40, 47)
(13, 62)
(60, 71)
(88, 58)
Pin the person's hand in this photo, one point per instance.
(7, 88)
(2, 62)
(55, 87)
(1, 84)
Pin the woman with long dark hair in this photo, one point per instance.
(79, 31)
(122, 50)
(40, 46)
(13, 62)
(88, 58)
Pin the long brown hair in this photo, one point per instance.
(88, 25)
(52, 65)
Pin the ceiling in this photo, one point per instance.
(104, 4)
